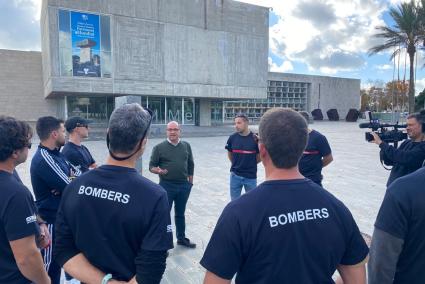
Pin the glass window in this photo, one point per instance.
(157, 105)
(189, 111)
(65, 53)
(105, 46)
(174, 109)
(97, 109)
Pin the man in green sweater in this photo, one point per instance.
(172, 160)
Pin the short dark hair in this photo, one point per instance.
(127, 125)
(305, 115)
(243, 116)
(14, 135)
(46, 125)
(284, 133)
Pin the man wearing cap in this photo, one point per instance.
(112, 222)
(243, 153)
(74, 151)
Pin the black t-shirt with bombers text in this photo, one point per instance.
(284, 231)
(17, 221)
(110, 214)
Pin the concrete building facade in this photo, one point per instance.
(176, 53)
(299, 92)
(195, 61)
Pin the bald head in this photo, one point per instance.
(173, 131)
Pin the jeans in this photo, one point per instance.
(179, 194)
(237, 182)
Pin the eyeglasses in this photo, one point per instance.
(173, 129)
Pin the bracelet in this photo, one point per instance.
(106, 278)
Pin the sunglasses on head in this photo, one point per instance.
(140, 142)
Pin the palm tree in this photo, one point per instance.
(407, 33)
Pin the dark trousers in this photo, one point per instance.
(51, 266)
(179, 194)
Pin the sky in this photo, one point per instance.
(318, 37)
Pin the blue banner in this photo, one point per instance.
(85, 35)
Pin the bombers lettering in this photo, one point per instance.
(104, 194)
(298, 216)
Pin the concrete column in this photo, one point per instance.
(205, 112)
(119, 101)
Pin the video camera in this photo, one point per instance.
(393, 135)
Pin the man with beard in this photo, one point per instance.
(50, 174)
(21, 233)
(242, 151)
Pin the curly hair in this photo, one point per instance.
(14, 135)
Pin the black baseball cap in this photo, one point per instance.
(75, 121)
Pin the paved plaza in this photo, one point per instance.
(356, 177)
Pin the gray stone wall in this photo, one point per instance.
(21, 86)
(185, 48)
(339, 93)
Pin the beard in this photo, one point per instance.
(59, 144)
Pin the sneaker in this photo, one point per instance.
(186, 242)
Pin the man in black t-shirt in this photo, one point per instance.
(288, 229)
(317, 155)
(410, 156)
(242, 151)
(112, 222)
(21, 235)
(397, 252)
(74, 151)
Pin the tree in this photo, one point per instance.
(407, 33)
(365, 101)
(420, 101)
(397, 92)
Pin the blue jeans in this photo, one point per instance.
(237, 182)
(179, 194)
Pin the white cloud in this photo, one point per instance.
(384, 67)
(326, 35)
(284, 67)
(420, 86)
(20, 24)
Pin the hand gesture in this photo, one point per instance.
(162, 171)
(376, 138)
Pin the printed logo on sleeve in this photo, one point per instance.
(31, 219)
(169, 228)
(298, 216)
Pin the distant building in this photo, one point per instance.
(197, 62)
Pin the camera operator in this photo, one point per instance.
(410, 155)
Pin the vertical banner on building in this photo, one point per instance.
(85, 44)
